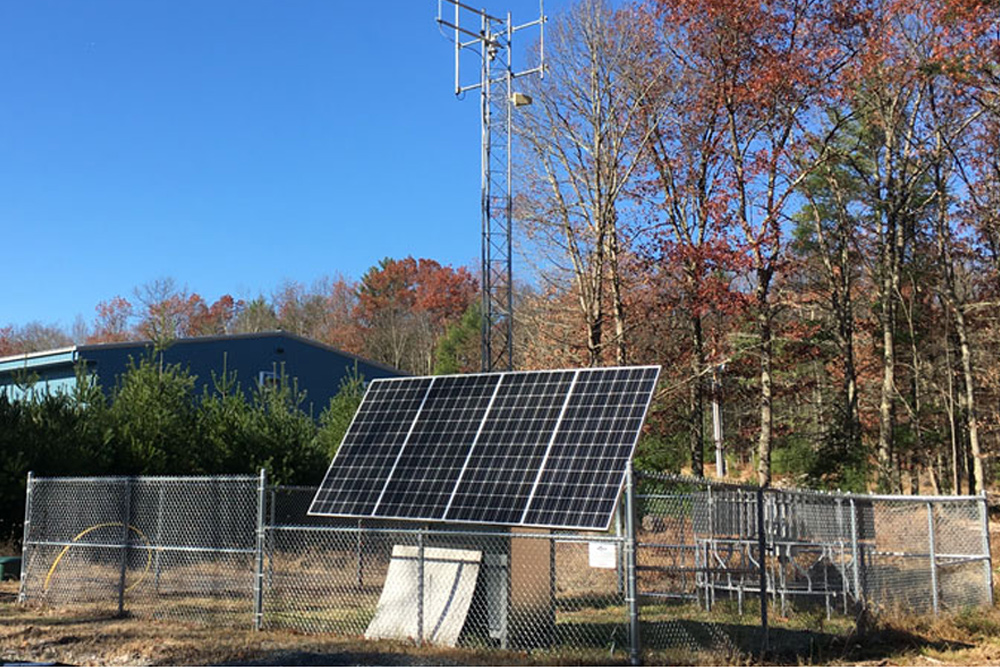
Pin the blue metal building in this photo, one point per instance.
(315, 368)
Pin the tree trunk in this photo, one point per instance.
(934, 470)
(837, 261)
(696, 412)
(594, 340)
(918, 434)
(975, 452)
(617, 293)
(891, 250)
(886, 408)
(955, 304)
(764, 442)
(956, 477)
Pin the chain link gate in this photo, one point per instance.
(703, 566)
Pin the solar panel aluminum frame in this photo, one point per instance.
(565, 399)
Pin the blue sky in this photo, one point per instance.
(229, 144)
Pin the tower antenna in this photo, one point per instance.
(491, 38)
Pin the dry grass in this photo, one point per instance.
(968, 638)
(91, 635)
(83, 635)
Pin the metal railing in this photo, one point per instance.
(695, 565)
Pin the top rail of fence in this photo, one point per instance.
(816, 493)
(147, 479)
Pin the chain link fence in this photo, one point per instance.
(724, 566)
(181, 547)
(705, 566)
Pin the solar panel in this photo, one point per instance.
(498, 479)
(370, 448)
(425, 474)
(539, 448)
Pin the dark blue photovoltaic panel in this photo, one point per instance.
(502, 469)
(425, 475)
(371, 446)
(583, 475)
(541, 448)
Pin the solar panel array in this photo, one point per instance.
(536, 448)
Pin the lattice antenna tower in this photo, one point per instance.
(491, 38)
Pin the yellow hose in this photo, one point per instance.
(149, 554)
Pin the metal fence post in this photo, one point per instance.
(932, 556)
(709, 550)
(619, 553)
(359, 564)
(126, 520)
(762, 548)
(159, 536)
(632, 587)
(258, 580)
(21, 591)
(272, 521)
(985, 517)
(855, 556)
(420, 585)
(845, 587)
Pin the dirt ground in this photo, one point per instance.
(79, 637)
(68, 636)
(71, 636)
(74, 638)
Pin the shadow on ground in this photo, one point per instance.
(784, 645)
(337, 659)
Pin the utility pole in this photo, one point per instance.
(491, 39)
(720, 451)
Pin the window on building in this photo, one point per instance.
(268, 379)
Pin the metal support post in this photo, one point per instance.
(126, 520)
(859, 597)
(258, 580)
(840, 552)
(619, 553)
(632, 588)
(762, 551)
(932, 555)
(420, 586)
(21, 592)
(720, 451)
(272, 521)
(553, 588)
(159, 539)
(709, 552)
(985, 519)
(359, 564)
(826, 586)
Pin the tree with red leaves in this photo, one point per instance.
(404, 307)
(767, 69)
(211, 320)
(684, 179)
(112, 322)
(7, 344)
